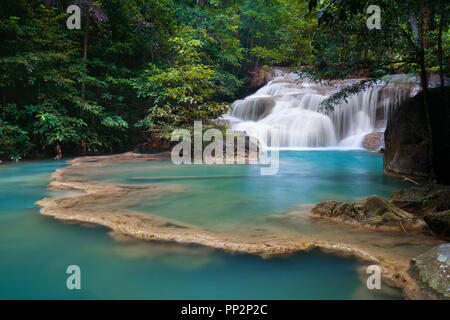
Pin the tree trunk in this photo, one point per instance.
(58, 151)
(83, 147)
(85, 45)
(417, 30)
(441, 26)
(425, 14)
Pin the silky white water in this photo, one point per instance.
(292, 108)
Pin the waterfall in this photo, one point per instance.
(293, 107)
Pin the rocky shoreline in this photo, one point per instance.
(371, 212)
(98, 205)
(423, 209)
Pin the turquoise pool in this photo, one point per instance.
(35, 250)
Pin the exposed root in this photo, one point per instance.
(410, 180)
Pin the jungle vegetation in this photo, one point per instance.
(139, 67)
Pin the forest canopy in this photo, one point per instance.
(142, 66)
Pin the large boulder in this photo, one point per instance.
(422, 200)
(431, 270)
(407, 141)
(373, 210)
(253, 108)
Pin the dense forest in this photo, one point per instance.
(141, 67)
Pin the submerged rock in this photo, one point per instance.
(422, 200)
(439, 223)
(373, 210)
(374, 141)
(431, 270)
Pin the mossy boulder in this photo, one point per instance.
(373, 210)
(325, 208)
(431, 270)
(439, 223)
(422, 200)
(379, 211)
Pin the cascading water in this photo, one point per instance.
(292, 108)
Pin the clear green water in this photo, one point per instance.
(36, 250)
(240, 194)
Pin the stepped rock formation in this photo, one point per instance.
(292, 107)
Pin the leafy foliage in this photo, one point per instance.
(345, 47)
(153, 65)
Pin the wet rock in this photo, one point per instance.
(373, 210)
(407, 138)
(407, 142)
(374, 141)
(439, 223)
(253, 108)
(325, 208)
(431, 271)
(422, 200)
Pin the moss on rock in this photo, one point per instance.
(373, 210)
(422, 200)
(439, 223)
(431, 270)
